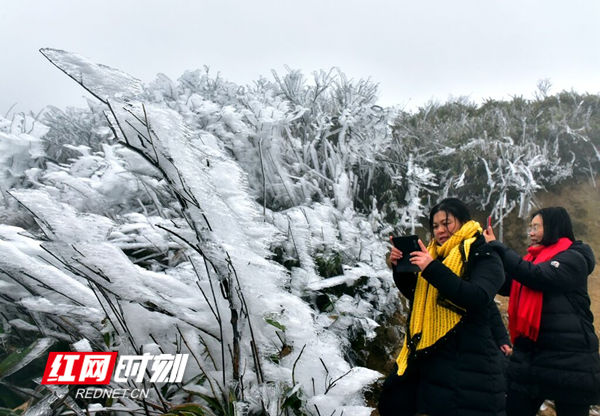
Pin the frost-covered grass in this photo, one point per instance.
(246, 226)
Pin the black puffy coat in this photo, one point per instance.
(563, 364)
(462, 375)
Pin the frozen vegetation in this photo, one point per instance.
(244, 225)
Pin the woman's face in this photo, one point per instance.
(443, 226)
(536, 230)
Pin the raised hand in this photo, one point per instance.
(421, 258)
(488, 234)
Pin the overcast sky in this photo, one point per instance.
(415, 50)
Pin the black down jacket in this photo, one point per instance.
(563, 364)
(462, 375)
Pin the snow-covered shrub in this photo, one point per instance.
(158, 230)
(246, 225)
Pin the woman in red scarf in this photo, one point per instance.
(555, 354)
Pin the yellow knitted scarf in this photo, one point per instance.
(430, 321)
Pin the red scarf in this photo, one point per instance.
(525, 304)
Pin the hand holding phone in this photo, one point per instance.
(488, 233)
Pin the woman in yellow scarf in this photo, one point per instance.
(450, 363)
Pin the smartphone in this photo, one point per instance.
(406, 244)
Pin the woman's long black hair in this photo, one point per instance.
(452, 206)
(557, 224)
